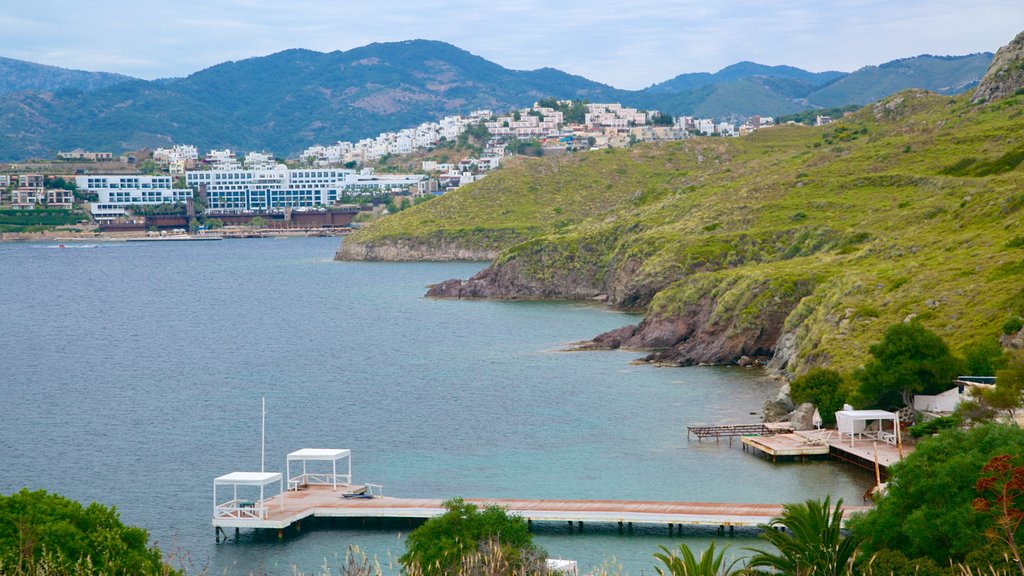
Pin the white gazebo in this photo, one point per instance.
(241, 509)
(332, 455)
(854, 423)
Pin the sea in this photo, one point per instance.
(133, 374)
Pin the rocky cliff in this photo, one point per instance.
(1005, 76)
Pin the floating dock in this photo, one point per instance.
(320, 501)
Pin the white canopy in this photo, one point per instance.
(248, 478)
(331, 455)
(854, 424)
(320, 454)
(237, 509)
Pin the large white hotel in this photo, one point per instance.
(115, 193)
(239, 190)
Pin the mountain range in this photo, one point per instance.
(289, 100)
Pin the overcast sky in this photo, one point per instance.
(628, 44)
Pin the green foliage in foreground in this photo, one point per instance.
(683, 562)
(47, 533)
(442, 543)
(812, 543)
(927, 511)
(822, 387)
(840, 230)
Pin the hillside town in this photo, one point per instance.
(177, 187)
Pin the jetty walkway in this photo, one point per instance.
(324, 501)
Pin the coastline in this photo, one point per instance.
(90, 236)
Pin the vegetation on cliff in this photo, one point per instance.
(798, 241)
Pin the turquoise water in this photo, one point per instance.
(133, 374)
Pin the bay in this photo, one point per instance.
(133, 372)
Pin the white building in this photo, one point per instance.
(259, 161)
(222, 160)
(278, 188)
(116, 193)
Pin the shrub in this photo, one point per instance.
(442, 544)
(1012, 325)
(47, 533)
(895, 563)
(822, 387)
(933, 426)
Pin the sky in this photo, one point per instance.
(627, 44)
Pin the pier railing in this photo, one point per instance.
(309, 479)
(240, 509)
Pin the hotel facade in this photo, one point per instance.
(270, 189)
(116, 193)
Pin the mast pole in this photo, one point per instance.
(263, 433)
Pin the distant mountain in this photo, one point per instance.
(747, 88)
(742, 71)
(283, 102)
(287, 101)
(942, 74)
(18, 75)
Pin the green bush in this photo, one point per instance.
(934, 425)
(47, 533)
(822, 387)
(895, 563)
(1012, 325)
(442, 543)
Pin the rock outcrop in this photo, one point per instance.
(1005, 75)
(803, 417)
(411, 250)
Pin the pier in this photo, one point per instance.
(272, 500)
(321, 501)
(731, 431)
(825, 444)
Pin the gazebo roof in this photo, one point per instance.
(319, 454)
(248, 478)
(866, 414)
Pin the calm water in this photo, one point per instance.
(132, 375)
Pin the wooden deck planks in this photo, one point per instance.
(324, 502)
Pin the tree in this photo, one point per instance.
(47, 533)
(683, 562)
(909, 359)
(927, 509)
(214, 223)
(1002, 497)
(812, 543)
(258, 222)
(822, 387)
(984, 356)
(1009, 391)
(442, 543)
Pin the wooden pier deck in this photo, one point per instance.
(860, 452)
(323, 502)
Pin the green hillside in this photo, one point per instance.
(808, 240)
